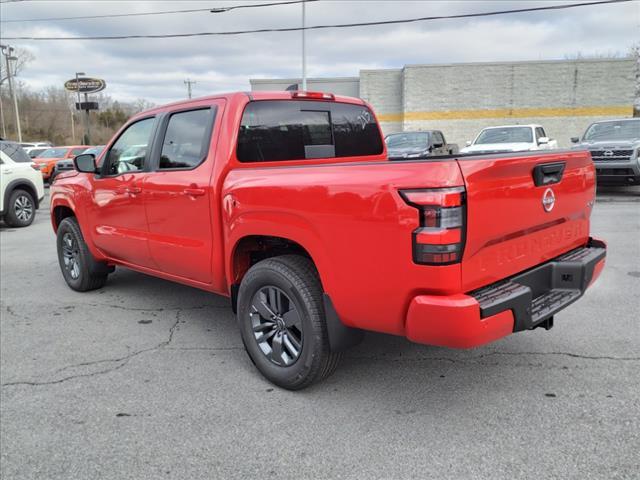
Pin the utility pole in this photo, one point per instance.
(87, 134)
(73, 127)
(6, 51)
(188, 82)
(86, 100)
(304, 48)
(4, 130)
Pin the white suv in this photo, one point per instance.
(21, 186)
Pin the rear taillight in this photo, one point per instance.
(313, 95)
(35, 166)
(440, 238)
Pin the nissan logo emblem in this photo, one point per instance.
(548, 200)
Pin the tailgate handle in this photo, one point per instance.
(548, 173)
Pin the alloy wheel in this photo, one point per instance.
(277, 325)
(23, 208)
(70, 255)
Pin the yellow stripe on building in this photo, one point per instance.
(607, 110)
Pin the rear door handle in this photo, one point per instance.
(548, 173)
(194, 192)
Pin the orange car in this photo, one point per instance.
(46, 161)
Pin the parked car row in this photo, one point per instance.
(614, 146)
(23, 169)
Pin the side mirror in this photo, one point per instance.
(575, 139)
(85, 163)
(543, 140)
(468, 143)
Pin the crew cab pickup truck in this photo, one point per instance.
(510, 138)
(615, 150)
(286, 203)
(404, 145)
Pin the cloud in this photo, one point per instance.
(155, 69)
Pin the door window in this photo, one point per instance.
(186, 141)
(130, 152)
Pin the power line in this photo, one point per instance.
(163, 12)
(255, 5)
(322, 27)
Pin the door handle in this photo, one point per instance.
(193, 192)
(131, 190)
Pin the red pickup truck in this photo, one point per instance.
(286, 203)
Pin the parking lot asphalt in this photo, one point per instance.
(147, 379)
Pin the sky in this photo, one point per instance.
(155, 69)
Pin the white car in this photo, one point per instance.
(510, 138)
(36, 145)
(21, 186)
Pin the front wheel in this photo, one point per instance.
(79, 269)
(282, 322)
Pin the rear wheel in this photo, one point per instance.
(79, 269)
(282, 322)
(21, 209)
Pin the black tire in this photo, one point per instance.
(297, 279)
(21, 209)
(79, 269)
(52, 177)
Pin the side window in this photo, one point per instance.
(539, 133)
(130, 152)
(15, 152)
(77, 151)
(437, 139)
(274, 130)
(186, 141)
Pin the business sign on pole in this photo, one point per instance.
(87, 106)
(85, 85)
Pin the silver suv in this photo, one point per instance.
(614, 147)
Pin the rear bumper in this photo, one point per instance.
(522, 302)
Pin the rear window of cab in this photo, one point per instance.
(280, 130)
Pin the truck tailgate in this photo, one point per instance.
(514, 224)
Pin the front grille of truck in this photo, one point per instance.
(611, 155)
(615, 171)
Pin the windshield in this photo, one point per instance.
(53, 153)
(505, 135)
(94, 150)
(408, 140)
(34, 152)
(620, 130)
